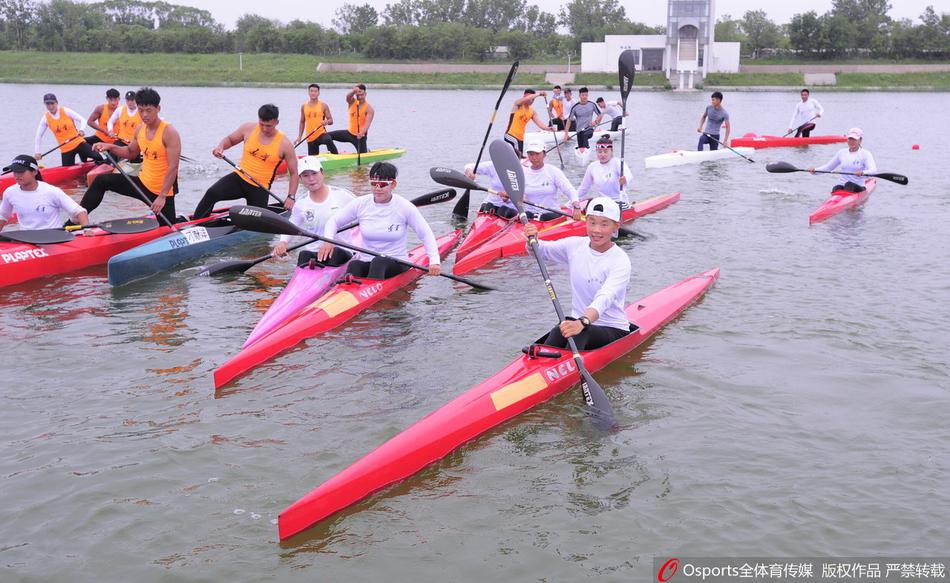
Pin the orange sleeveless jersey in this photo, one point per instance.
(125, 127)
(104, 123)
(259, 160)
(154, 159)
(361, 125)
(313, 117)
(518, 121)
(64, 129)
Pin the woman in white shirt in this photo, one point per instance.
(383, 219)
(600, 271)
(854, 161)
(38, 205)
(605, 175)
(311, 212)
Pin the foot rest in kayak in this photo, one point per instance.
(348, 278)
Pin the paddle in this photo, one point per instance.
(358, 149)
(304, 139)
(572, 136)
(509, 168)
(785, 167)
(556, 145)
(64, 235)
(108, 156)
(241, 266)
(725, 146)
(58, 146)
(267, 221)
(450, 177)
(800, 127)
(254, 180)
(461, 207)
(627, 69)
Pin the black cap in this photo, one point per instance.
(22, 163)
(50, 98)
(130, 94)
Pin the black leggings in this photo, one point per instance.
(805, 130)
(378, 268)
(850, 187)
(346, 136)
(590, 338)
(615, 124)
(711, 139)
(503, 212)
(117, 183)
(337, 258)
(516, 144)
(84, 151)
(230, 187)
(542, 217)
(583, 138)
(313, 148)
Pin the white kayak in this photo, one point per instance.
(548, 137)
(679, 157)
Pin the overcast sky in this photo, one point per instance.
(649, 11)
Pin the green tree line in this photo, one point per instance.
(450, 29)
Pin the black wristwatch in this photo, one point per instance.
(292, 196)
(584, 320)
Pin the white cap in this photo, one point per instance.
(309, 163)
(604, 207)
(855, 133)
(534, 145)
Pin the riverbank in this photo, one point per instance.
(278, 70)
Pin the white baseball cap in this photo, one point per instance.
(604, 207)
(534, 145)
(855, 133)
(309, 163)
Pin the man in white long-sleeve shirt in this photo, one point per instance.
(67, 127)
(806, 112)
(854, 162)
(600, 272)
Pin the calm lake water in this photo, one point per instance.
(799, 409)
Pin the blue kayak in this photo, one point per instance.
(188, 244)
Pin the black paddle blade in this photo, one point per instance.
(509, 170)
(627, 68)
(450, 177)
(261, 220)
(129, 226)
(781, 167)
(895, 178)
(235, 266)
(38, 236)
(434, 197)
(597, 402)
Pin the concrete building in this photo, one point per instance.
(686, 53)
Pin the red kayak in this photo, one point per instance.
(20, 262)
(754, 141)
(484, 227)
(57, 175)
(524, 383)
(342, 302)
(842, 200)
(510, 240)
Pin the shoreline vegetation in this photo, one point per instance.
(277, 70)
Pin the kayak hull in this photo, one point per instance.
(521, 385)
(342, 302)
(548, 137)
(57, 175)
(483, 228)
(680, 157)
(840, 201)
(173, 249)
(758, 142)
(512, 241)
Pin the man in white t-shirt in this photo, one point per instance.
(37, 204)
(311, 212)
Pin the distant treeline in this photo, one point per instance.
(450, 29)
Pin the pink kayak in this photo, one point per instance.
(306, 285)
(842, 200)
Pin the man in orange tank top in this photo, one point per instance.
(67, 127)
(264, 149)
(99, 119)
(315, 131)
(521, 113)
(361, 116)
(158, 178)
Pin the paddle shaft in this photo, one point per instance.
(725, 146)
(785, 167)
(254, 180)
(135, 187)
(461, 207)
(800, 127)
(58, 146)
(572, 136)
(304, 139)
(556, 145)
(627, 71)
(359, 160)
